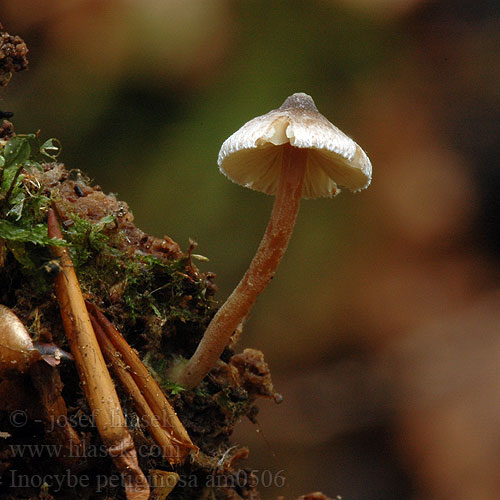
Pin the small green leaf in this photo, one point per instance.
(17, 205)
(33, 164)
(103, 222)
(96, 238)
(17, 151)
(37, 234)
(8, 177)
(20, 253)
(155, 310)
(173, 388)
(29, 136)
(51, 148)
(11, 232)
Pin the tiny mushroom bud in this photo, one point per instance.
(17, 351)
(292, 152)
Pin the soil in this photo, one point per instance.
(13, 53)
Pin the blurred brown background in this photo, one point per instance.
(382, 327)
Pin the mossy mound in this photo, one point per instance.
(152, 292)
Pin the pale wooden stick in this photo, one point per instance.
(160, 435)
(148, 386)
(96, 381)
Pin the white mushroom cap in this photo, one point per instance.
(252, 155)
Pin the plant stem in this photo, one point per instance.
(12, 185)
(96, 381)
(148, 419)
(260, 272)
(167, 429)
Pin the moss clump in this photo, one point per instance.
(151, 291)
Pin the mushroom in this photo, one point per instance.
(292, 152)
(17, 351)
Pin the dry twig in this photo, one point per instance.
(96, 380)
(149, 399)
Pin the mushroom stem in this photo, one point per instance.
(260, 272)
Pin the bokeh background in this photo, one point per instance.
(382, 327)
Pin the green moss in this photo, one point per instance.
(86, 240)
(170, 291)
(23, 207)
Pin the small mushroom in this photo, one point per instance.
(292, 152)
(17, 351)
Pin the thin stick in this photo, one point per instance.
(96, 381)
(148, 418)
(148, 386)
